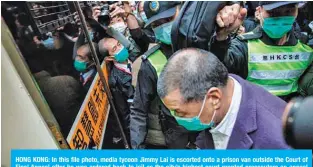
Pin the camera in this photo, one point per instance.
(298, 130)
(104, 17)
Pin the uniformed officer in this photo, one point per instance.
(270, 56)
(149, 127)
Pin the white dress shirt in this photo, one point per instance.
(123, 67)
(222, 132)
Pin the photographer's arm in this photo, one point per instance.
(141, 39)
(96, 12)
(131, 20)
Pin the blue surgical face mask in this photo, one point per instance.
(122, 55)
(49, 43)
(163, 32)
(91, 35)
(143, 16)
(80, 66)
(194, 123)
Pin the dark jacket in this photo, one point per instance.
(146, 93)
(141, 38)
(234, 53)
(250, 24)
(258, 123)
(120, 83)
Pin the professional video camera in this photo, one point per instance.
(298, 123)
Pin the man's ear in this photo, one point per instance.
(297, 11)
(214, 96)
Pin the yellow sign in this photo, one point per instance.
(88, 129)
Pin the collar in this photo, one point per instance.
(227, 124)
(87, 75)
(122, 67)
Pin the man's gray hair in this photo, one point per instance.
(86, 49)
(193, 72)
(102, 49)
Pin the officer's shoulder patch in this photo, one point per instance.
(248, 36)
(150, 52)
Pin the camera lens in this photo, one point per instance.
(104, 17)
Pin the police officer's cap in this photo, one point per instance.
(270, 5)
(156, 10)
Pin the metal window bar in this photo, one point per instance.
(51, 26)
(48, 7)
(45, 1)
(51, 14)
(53, 21)
(55, 24)
(58, 14)
(50, 22)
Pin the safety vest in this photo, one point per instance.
(158, 61)
(277, 68)
(155, 133)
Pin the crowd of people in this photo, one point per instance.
(229, 96)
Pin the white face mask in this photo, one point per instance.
(120, 27)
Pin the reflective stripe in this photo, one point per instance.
(277, 68)
(158, 61)
(279, 57)
(275, 74)
(277, 88)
